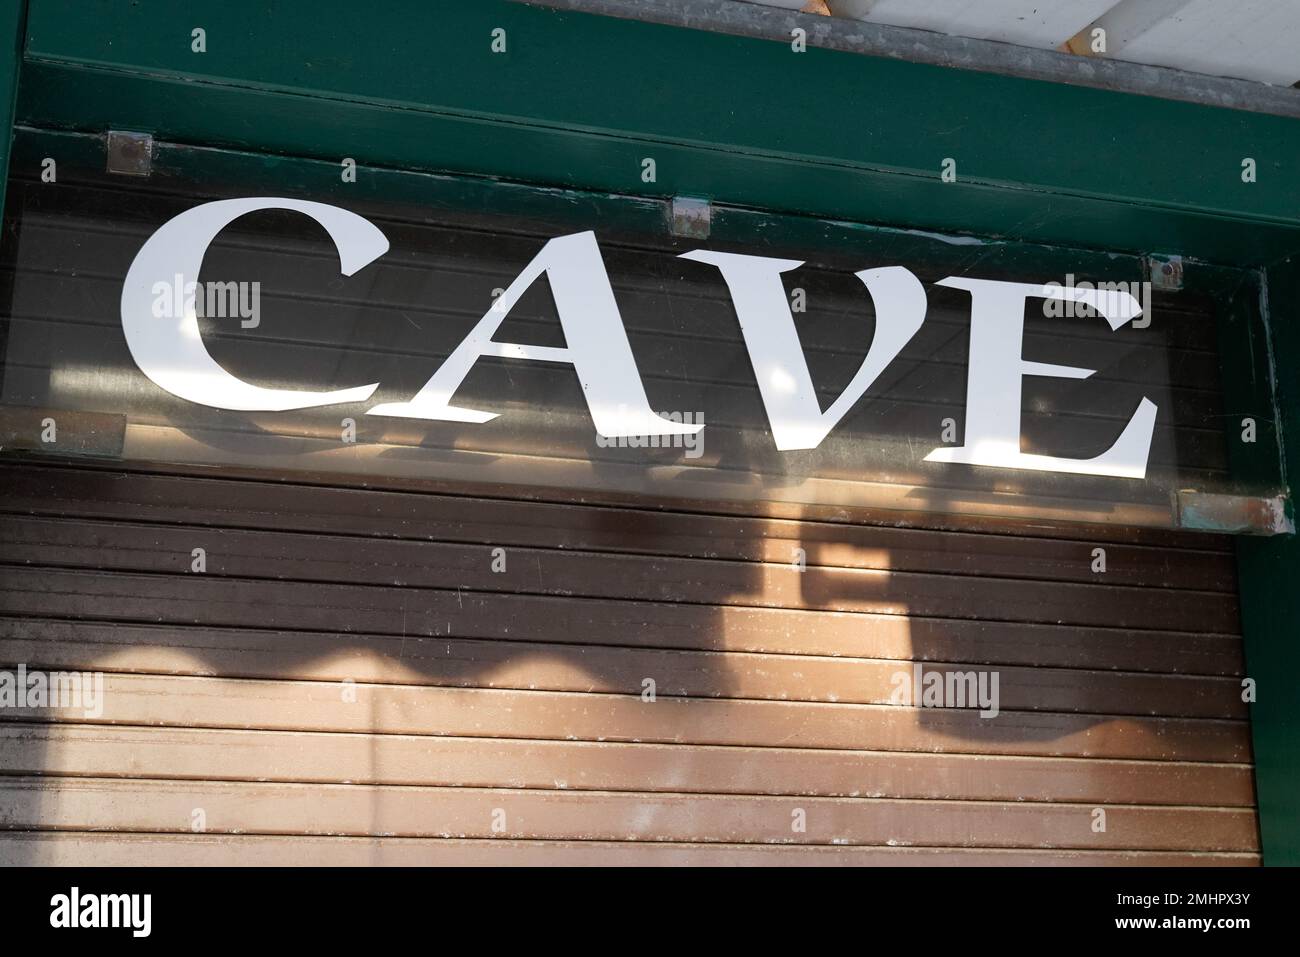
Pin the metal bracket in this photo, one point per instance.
(130, 154)
(690, 217)
(1165, 272)
(1237, 514)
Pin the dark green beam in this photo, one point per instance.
(580, 100)
(12, 15)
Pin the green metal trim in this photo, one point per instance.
(1268, 572)
(1246, 359)
(12, 17)
(580, 100)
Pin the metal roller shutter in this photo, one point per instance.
(350, 682)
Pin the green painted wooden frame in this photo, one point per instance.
(12, 18)
(582, 101)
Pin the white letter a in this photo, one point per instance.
(598, 348)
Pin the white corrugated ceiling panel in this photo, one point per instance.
(1034, 23)
(1250, 39)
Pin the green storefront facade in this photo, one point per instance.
(824, 140)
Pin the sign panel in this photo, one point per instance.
(559, 349)
(167, 343)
